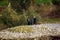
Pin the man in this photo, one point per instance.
(34, 20)
(28, 21)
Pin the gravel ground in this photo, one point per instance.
(38, 31)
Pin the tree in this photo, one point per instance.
(3, 2)
(19, 5)
(56, 11)
(56, 2)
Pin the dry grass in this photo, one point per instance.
(23, 29)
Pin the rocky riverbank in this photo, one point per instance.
(42, 30)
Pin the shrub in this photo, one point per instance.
(12, 19)
(56, 2)
(6, 18)
(23, 19)
(3, 3)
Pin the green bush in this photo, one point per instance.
(56, 2)
(19, 5)
(11, 19)
(3, 3)
(6, 18)
(43, 2)
(23, 20)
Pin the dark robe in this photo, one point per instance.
(34, 20)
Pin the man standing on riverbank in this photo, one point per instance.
(34, 20)
(29, 22)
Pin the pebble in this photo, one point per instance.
(52, 29)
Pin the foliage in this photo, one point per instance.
(43, 1)
(22, 20)
(3, 3)
(56, 2)
(6, 18)
(19, 5)
(12, 19)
